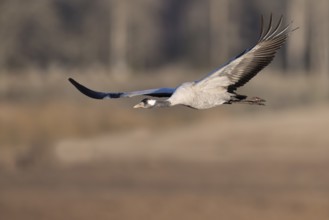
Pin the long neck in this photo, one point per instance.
(162, 103)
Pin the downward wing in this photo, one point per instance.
(245, 66)
(160, 92)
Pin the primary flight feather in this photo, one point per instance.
(218, 87)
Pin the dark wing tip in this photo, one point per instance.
(88, 92)
(271, 40)
(261, 27)
(72, 81)
(75, 83)
(275, 32)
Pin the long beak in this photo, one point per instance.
(139, 105)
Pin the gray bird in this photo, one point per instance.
(218, 87)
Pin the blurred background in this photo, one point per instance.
(65, 156)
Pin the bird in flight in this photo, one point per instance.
(218, 87)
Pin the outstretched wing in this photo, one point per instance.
(160, 92)
(246, 65)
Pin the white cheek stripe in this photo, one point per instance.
(151, 102)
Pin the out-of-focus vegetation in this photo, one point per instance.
(141, 34)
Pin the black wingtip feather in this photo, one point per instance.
(261, 27)
(269, 28)
(270, 41)
(88, 92)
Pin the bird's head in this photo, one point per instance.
(146, 103)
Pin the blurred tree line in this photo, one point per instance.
(141, 34)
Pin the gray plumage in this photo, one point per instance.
(218, 87)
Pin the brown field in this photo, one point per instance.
(63, 156)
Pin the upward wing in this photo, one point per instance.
(160, 92)
(242, 68)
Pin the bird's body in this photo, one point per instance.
(195, 96)
(218, 87)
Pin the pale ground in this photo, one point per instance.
(63, 156)
(292, 135)
(271, 165)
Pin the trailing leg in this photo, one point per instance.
(253, 101)
(243, 100)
